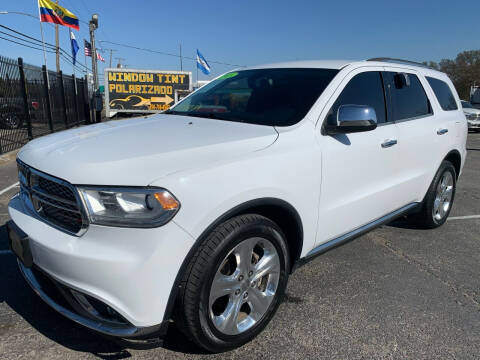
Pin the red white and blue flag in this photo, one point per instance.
(100, 57)
(87, 48)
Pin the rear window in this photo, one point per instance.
(443, 93)
(408, 98)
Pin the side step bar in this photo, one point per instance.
(322, 248)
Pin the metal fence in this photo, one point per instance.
(32, 106)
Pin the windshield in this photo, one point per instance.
(275, 97)
(467, 105)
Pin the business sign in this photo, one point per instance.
(146, 91)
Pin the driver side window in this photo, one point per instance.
(363, 89)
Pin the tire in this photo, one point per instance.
(434, 211)
(217, 283)
(11, 121)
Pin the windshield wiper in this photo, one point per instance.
(172, 112)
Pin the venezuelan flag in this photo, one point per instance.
(53, 13)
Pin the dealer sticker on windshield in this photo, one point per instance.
(229, 75)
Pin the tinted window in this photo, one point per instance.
(363, 89)
(408, 98)
(443, 93)
(276, 97)
(466, 105)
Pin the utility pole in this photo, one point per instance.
(57, 46)
(92, 26)
(181, 62)
(111, 56)
(111, 53)
(119, 65)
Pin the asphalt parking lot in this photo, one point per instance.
(394, 293)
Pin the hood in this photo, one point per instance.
(137, 151)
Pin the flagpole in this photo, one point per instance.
(44, 52)
(85, 56)
(196, 65)
(74, 60)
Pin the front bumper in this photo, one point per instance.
(124, 330)
(473, 124)
(132, 271)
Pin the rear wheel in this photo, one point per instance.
(234, 283)
(439, 199)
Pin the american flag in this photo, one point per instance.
(87, 48)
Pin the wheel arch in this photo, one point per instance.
(277, 210)
(456, 159)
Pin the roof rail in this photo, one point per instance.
(399, 61)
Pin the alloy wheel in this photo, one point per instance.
(443, 196)
(244, 286)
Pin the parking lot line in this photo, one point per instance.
(464, 217)
(8, 188)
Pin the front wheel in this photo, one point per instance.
(438, 201)
(234, 283)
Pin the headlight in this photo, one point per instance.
(471, 116)
(129, 207)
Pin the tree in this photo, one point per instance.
(432, 64)
(464, 71)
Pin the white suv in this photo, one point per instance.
(198, 215)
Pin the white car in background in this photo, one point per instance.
(200, 214)
(472, 115)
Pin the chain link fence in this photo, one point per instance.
(34, 102)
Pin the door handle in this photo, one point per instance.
(389, 143)
(442, 131)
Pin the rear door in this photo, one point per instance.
(423, 133)
(359, 170)
(450, 113)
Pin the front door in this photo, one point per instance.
(359, 170)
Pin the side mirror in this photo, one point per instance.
(354, 118)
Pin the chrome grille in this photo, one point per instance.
(52, 199)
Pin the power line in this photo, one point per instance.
(71, 63)
(48, 51)
(24, 35)
(134, 47)
(31, 47)
(167, 54)
(19, 38)
(66, 55)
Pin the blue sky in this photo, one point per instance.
(252, 32)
